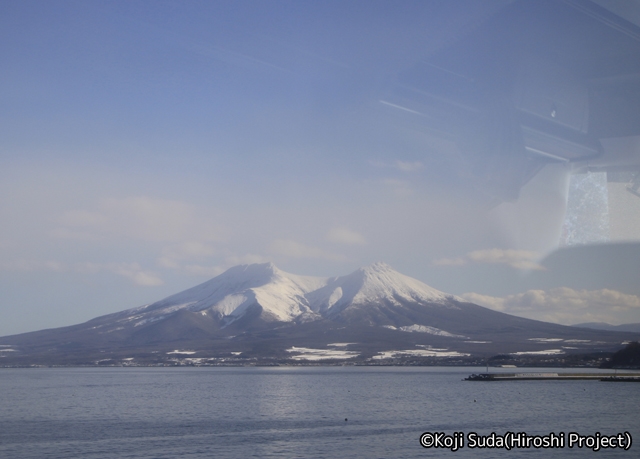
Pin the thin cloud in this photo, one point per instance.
(398, 187)
(131, 271)
(32, 265)
(246, 259)
(450, 262)
(142, 278)
(345, 236)
(140, 218)
(203, 271)
(403, 166)
(518, 259)
(400, 107)
(563, 305)
(230, 261)
(75, 235)
(135, 274)
(293, 249)
(408, 166)
(174, 255)
(83, 218)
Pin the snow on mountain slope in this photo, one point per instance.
(372, 284)
(286, 297)
(280, 294)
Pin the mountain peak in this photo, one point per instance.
(377, 267)
(380, 281)
(286, 297)
(374, 284)
(254, 269)
(379, 272)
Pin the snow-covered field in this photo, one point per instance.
(418, 353)
(305, 353)
(415, 328)
(546, 352)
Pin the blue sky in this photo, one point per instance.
(148, 146)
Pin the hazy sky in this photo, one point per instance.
(148, 146)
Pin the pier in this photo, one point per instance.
(550, 376)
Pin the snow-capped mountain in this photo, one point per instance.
(229, 296)
(275, 295)
(377, 283)
(261, 312)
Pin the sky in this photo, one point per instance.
(146, 147)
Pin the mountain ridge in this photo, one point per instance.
(286, 297)
(264, 314)
(630, 327)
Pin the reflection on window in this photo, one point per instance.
(602, 207)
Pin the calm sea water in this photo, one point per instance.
(296, 412)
